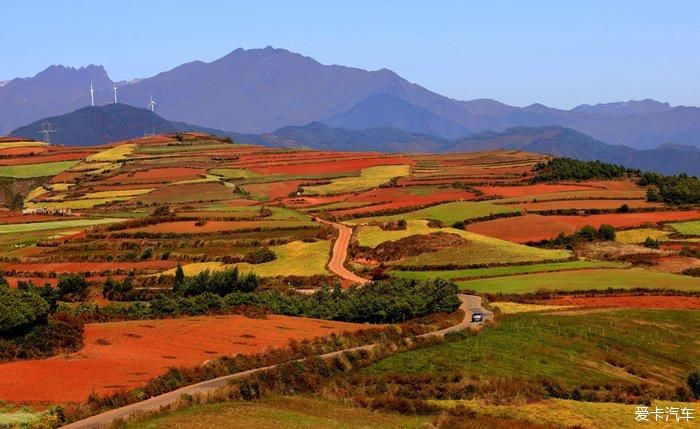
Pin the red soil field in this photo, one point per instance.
(14, 217)
(629, 301)
(274, 190)
(22, 150)
(69, 156)
(521, 191)
(136, 351)
(523, 229)
(613, 185)
(87, 267)
(39, 281)
(583, 204)
(312, 201)
(396, 198)
(340, 166)
(155, 175)
(188, 193)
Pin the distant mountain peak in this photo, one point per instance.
(631, 107)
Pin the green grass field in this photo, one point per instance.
(571, 349)
(287, 412)
(233, 173)
(687, 228)
(59, 224)
(479, 249)
(508, 271)
(447, 213)
(638, 235)
(583, 280)
(370, 177)
(35, 170)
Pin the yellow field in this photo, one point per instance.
(116, 194)
(77, 204)
(36, 192)
(369, 178)
(635, 236)
(293, 259)
(10, 145)
(569, 413)
(116, 153)
(515, 308)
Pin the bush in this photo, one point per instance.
(651, 243)
(218, 282)
(606, 232)
(573, 169)
(160, 211)
(20, 310)
(146, 254)
(693, 382)
(261, 255)
(72, 287)
(458, 225)
(681, 189)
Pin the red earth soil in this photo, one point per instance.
(275, 190)
(87, 267)
(14, 217)
(523, 229)
(70, 156)
(340, 166)
(629, 301)
(521, 191)
(312, 201)
(396, 198)
(612, 185)
(126, 355)
(583, 204)
(679, 246)
(22, 150)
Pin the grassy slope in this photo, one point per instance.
(370, 177)
(293, 259)
(687, 228)
(59, 224)
(278, 412)
(569, 348)
(638, 235)
(447, 213)
(583, 280)
(593, 415)
(479, 249)
(35, 170)
(508, 271)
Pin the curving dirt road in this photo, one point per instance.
(340, 253)
(469, 304)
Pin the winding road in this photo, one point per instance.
(469, 304)
(340, 252)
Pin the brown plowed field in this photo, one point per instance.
(127, 354)
(156, 175)
(675, 302)
(522, 191)
(14, 151)
(188, 227)
(340, 166)
(583, 204)
(88, 267)
(532, 227)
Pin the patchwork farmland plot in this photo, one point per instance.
(148, 215)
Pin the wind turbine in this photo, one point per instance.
(151, 104)
(92, 95)
(114, 86)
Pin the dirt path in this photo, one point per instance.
(340, 253)
(469, 305)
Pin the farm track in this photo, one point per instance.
(340, 253)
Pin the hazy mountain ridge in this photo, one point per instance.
(262, 90)
(112, 122)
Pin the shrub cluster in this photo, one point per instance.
(681, 189)
(572, 169)
(586, 234)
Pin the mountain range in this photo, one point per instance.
(112, 122)
(258, 91)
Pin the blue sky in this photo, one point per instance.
(560, 53)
